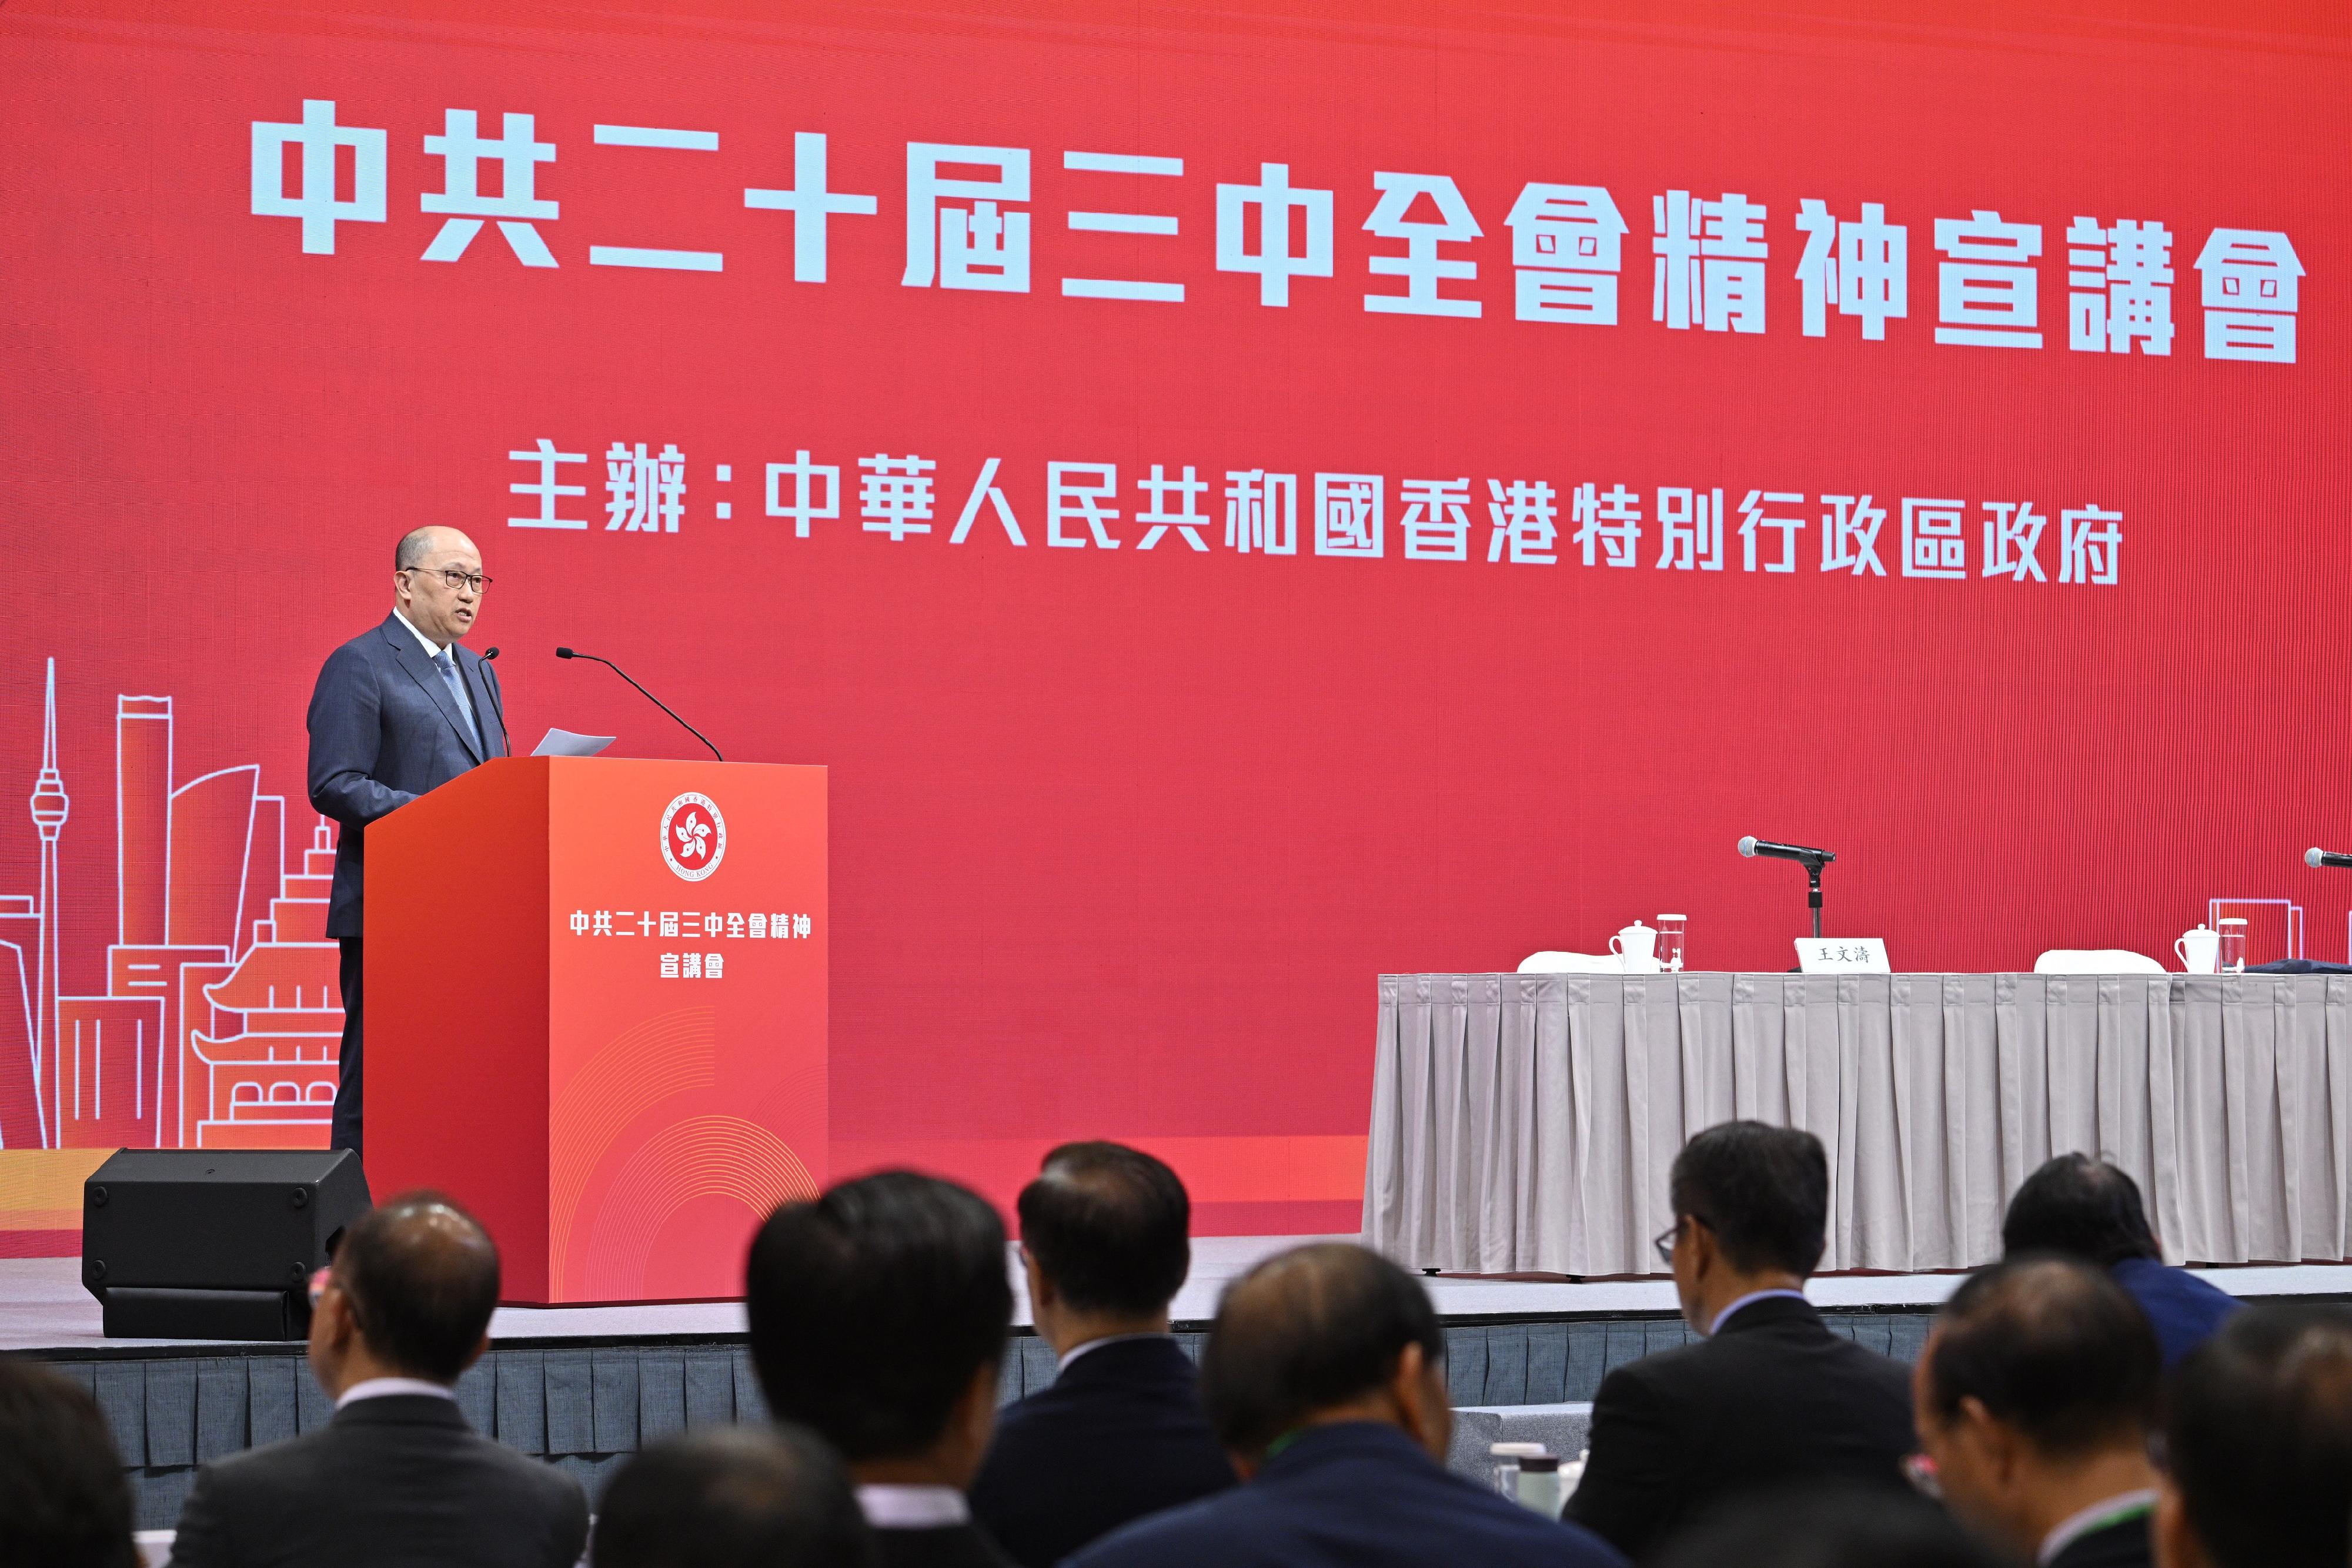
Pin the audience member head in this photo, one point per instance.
(1751, 1213)
(410, 1296)
(732, 1497)
(1321, 1334)
(1106, 1238)
(64, 1501)
(2035, 1396)
(878, 1317)
(2258, 1445)
(1829, 1528)
(2080, 1208)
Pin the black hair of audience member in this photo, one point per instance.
(1764, 1191)
(1110, 1227)
(732, 1497)
(1307, 1330)
(873, 1307)
(422, 1278)
(2081, 1206)
(1827, 1527)
(2258, 1438)
(2052, 1346)
(64, 1500)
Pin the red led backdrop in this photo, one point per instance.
(1241, 500)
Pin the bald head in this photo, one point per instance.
(1314, 1330)
(421, 1276)
(2054, 1348)
(437, 581)
(418, 547)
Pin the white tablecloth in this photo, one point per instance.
(1526, 1122)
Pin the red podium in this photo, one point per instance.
(595, 1014)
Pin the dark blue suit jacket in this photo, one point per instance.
(1360, 1494)
(2184, 1309)
(383, 730)
(1119, 1434)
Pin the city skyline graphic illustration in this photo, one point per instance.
(222, 1014)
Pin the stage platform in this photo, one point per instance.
(583, 1386)
(44, 1311)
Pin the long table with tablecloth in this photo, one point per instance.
(1527, 1122)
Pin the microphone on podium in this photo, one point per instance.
(569, 654)
(1811, 859)
(1752, 846)
(491, 687)
(2316, 858)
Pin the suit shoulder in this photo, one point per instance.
(1178, 1535)
(535, 1475)
(354, 654)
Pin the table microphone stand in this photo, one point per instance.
(1814, 894)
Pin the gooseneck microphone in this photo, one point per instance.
(2316, 858)
(1752, 846)
(1812, 860)
(568, 654)
(496, 707)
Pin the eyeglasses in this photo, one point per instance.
(1664, 1240)
(454, 577)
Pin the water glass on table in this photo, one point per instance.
(1671, 928)
(2233, 944)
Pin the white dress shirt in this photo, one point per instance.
(384, 1387)
(2098, 1515)
(1750, 1299)
(900, 1507)
(432, 649)
(1077, 1351)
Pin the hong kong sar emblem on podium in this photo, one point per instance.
(693, 836)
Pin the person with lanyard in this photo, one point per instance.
(2035, 1396)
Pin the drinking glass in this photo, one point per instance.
(1671, 931)
(2233, 944)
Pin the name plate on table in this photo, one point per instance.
(1842, 956)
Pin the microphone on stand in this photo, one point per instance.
(496, 707)
(1811, 859)
(2316, 858)
(1752, 846)
(568, 654)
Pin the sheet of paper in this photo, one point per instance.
(564, 743)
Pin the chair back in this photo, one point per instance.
(1551, 963)
(2095, 961)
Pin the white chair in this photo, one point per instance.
(2095, 961)
(1551, 962)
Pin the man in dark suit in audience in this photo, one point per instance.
(1325, 1378)
(399, 709)
(2034, 1399)
(878, 1316)
(1771, 1396)
(2091, 1209)
(2258, 1445)
(398, 1477)
(1105, 1238)
(732, 1497)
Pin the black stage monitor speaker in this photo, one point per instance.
(214, 1243)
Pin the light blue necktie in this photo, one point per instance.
(447, 659)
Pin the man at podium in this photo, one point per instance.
(398, 710)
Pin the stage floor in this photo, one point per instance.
(44, 1309)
